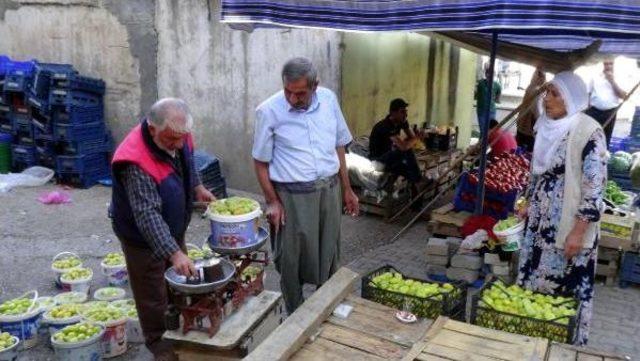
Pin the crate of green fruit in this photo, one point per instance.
(514, 309)
(426, 299)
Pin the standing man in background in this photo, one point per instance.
(480, 95)
(299, 155)
(604, 98)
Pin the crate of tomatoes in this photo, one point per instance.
(506, 176)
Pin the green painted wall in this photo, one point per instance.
(435, 78)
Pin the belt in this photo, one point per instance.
(306, 187)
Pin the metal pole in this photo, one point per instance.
(484, 130)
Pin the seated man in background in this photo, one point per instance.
(387, 146)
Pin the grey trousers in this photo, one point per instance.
(307, 248)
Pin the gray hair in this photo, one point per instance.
(166, 112)
(297, 68)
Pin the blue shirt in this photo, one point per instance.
(300, 145)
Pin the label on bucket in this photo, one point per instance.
(118, 278)
(234, 235)
(26, 330)
(114, 341)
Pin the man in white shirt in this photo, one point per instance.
(604, 98)
(299, 155)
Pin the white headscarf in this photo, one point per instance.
(550, 132)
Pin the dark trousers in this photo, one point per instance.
(401, 163)
(150, 292)
(525, 142)
(601, 116)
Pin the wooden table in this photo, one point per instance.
(239, 334)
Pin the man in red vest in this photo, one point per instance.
(155, 185)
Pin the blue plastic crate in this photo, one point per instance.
(44, 74)
(45, 154)
(70, 97)
(39, 134)
(17, 81)
(496, 205)
(79, 132)
(632, 145)
(23, 155)
(617, 144)
(77, 114)
(81, 163)
(21, 124)
(41, 120)
(9, 66)
(84, 180)
(630, 269)
(104, 145)
(78, 82)
(5, 125)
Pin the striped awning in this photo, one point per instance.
(553, 25)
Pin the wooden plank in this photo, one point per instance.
(418, 347)
(453, 353)
(425, 357)
(588, 357)
(322, 349)
(557, 353)
(482, 346)
(452, 218)
(489, 334)
(363, 342)
(444, 209)
(590, 351)
(300, 325)
(235, 327)
(385, 328)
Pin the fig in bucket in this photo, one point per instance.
(233, 206)
(6, 340)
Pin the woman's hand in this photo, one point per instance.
(575, 240)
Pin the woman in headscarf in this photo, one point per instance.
(559, 252)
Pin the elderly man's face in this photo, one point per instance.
(608, 66)
(299, 93)
(167, 138)
(554, 105)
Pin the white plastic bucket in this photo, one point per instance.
(24, 326)
(56, 324)
(87, 350)
(81, 285)
(116, 275)
(46, 303)
(11, 353)
(134, 331)
(511, 238)
(59, 271)
(70, 297)
(100, 296)
(114, 340)
(234, 231)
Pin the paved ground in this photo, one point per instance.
(32, 233)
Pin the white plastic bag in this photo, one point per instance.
(30, 177)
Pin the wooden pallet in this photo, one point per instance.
(445, 222)
(458, 341)
(608, 263)
(564, 352)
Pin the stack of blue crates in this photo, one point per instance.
(208, 167)
(56, 117)
(633, 142)
(15, 78)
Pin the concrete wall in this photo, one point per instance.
(224, 74)
(435, 78)
(111, 39)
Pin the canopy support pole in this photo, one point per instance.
(484, 130)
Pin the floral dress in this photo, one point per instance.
(543, 267)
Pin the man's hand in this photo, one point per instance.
(574, 243)
(203, 194)
(183, 264)
(351, 203)
(275, 214)
(608, 75)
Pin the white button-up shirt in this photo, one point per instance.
(603, 96)
(300, 145)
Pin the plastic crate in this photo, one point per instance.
(79, 132)
(41, 120)
(78, 82)
(21, 125)
(43, 78)
(84, 180)
(39, 134)
(630, 269)
(45, 154)
(5, 125)
(496, 205)
(632, 145)
(443, 142)
(81, 163)
(617, 144)
(23, 156)
(485, 316)
(104, 145)
(77, 114)
(451, 304)
(71, 97)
